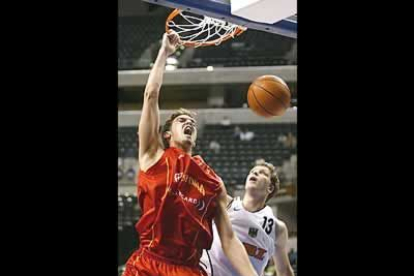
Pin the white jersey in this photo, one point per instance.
(257, 233)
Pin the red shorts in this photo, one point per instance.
(144, 263)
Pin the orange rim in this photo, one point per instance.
(238, 31)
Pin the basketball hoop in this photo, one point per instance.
(200, 30)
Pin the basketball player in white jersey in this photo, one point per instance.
(263, 235)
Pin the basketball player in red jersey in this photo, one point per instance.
(179, 194)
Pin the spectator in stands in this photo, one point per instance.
(291, 54)
(225, 122)
(282, 139)
(246, 135)
(288, 169)
(214, 146)
(237, 132)
(290, 141)
(242, 135)
(130, 173)
(120, 173)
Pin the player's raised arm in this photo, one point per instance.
(149, 142)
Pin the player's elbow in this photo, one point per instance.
(152, 92)
(288, 271)
(228, 241)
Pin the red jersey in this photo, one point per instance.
(177, 198)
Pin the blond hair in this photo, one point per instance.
(274, 178)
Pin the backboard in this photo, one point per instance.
(221, 9)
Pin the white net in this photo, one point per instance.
(200, 30)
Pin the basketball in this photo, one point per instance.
(268, 96)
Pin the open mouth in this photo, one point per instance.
(188, 130)
(253, 178)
